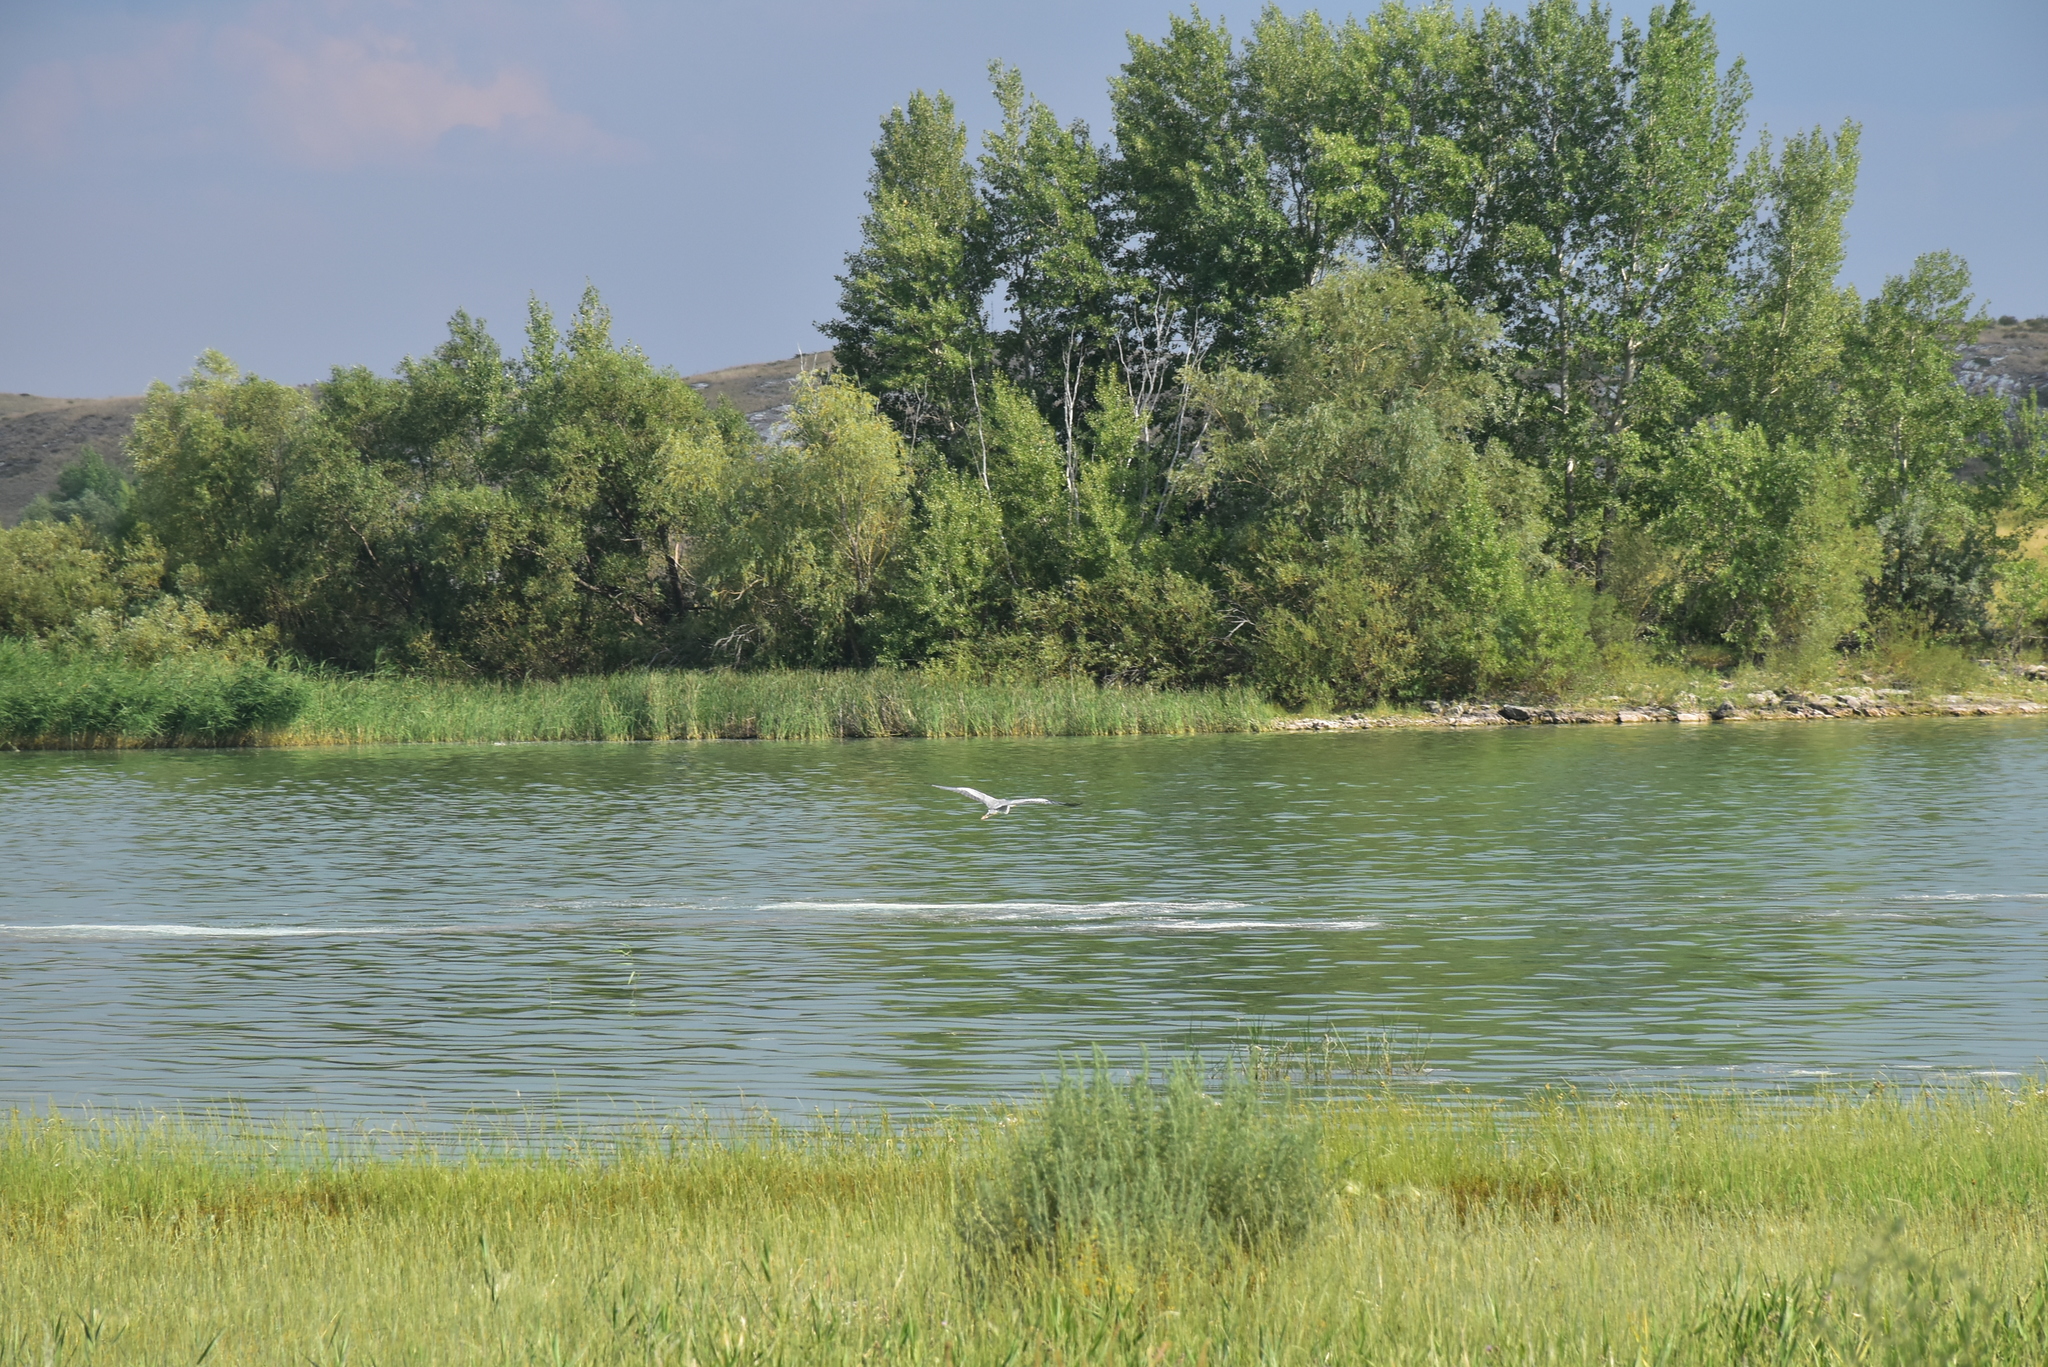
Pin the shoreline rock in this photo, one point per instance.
(1790, 707)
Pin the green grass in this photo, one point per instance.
(47, 700)
(729, 705)
(51, 699)
(191, 699)
(1854, 1227)
(1917, 665)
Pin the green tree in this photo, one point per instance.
(951, 589)
(1611, 248)
(246, 489)
(1770, 558)
(1375, 560)
(820, 521)
(1027, 476)
(531, 517)
(910, 328)
(90, 491)
(51, 573)
(1193, 182)
(1047, 241)
(617, 470)
(1781, 364)
(1921, 445)
(1413, 150)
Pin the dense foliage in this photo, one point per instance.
(1422, 355)
(1433, 353)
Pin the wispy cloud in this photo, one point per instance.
(311, 95)
(337, 101)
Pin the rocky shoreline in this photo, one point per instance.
(1767, 706)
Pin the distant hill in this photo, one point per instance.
(761, 391)
(40, 436)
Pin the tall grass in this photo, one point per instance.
(1856, 1227)
(1125, 1170)
(191, 699)
(48, 701)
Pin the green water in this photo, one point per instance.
(433, 931)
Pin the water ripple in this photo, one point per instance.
(434, 930)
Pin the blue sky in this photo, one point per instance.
(321, 182)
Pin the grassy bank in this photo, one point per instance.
(52, 700)
(84, 702)
(1138, 1228)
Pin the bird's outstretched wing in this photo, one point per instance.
(1041, 802)
(979, 796)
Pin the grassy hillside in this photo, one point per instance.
(39, 437)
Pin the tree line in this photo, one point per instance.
(1423, 355)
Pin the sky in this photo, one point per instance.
(325, 182)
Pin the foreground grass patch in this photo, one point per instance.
(1680, 1229)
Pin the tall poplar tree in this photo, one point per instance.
(1915, 436)
(1047, 240)
(1412, 153)
(1205, 230)
(1614, 237)
(910, 328)
(1781, 364)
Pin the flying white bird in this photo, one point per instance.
(1000, 806)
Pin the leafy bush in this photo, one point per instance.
(50, 573)
(1766, 555)
(1138, 1169)
(1908, 652)
(89, 491)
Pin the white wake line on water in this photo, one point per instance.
(1106, 916)
(1164, 924)
(1972, 897)
(1049, 908)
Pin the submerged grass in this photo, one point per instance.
(1852, 1227)
(45, 701)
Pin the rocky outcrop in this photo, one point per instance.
(761, 391)
(2007, 359)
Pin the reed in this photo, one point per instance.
(1856, 1226)
(88, 699)
(50, 702)
(731, 705)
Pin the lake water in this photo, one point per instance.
(430, 932)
